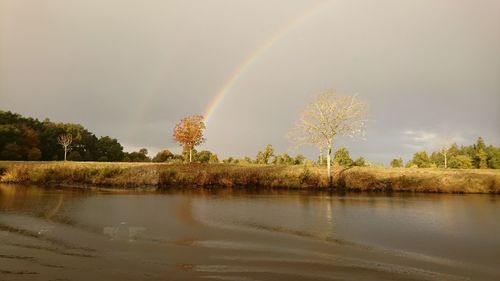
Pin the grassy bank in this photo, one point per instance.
(225, 175)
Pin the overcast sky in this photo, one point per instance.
(429, 69)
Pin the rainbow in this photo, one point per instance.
(250, 60)
(233, 78)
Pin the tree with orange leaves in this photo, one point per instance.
(189, 133)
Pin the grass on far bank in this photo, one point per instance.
(263, 176)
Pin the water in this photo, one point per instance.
(76, 234)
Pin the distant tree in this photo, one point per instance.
(65, 141)
(397, 162)
(246, 160)
(18, 140)
(287, 159)
(480, 157)
(186, 153)
(83, 141)
(12, 151)
(493, 157)
(437, 159)
(453, 150)
(34, 154)
(202, 156)
(109, 149)
(480, 144)
(18, 137)
(137, 156)
(277, 160)
(29, 144)
(299, 160)
(283, 159)
(342, 158)
(37, 140)
(189, 133)
(105, 159)
(206, 156)
(9, 136)
(327, 117)
(178, 158)
(163, 156)
(213, 159)
(264, 156)
(87, 144)
(461, 162)
(444, 152)
(74, 156)
(51, 150)
(410, 164)
(421, 160)
(359, 162)
(229, 160)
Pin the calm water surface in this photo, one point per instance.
(75, 234)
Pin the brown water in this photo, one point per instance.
(74, 234)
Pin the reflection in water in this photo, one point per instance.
(123, 232)
(184, 210)
(56, 208)
(241, 235)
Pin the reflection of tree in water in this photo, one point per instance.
(34, 200)
(50, 213)
(123, 232)
(185, 211)
(19, 197)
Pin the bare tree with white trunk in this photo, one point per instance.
(328, 117)
(65, 141)
(300, 138)
(444, 152)
(445, 147)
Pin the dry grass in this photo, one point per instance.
(262, 176)
(422, 180)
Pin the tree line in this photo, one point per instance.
(475, 156)
(29, 139)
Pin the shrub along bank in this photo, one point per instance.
(130, 175)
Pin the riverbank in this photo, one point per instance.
(133, 175)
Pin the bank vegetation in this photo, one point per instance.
(159, 175)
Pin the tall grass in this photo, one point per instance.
(248, 176)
